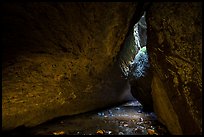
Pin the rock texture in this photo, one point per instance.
(141, 90)
(175, 50)
(59, 59)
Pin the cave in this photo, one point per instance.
(109, 60)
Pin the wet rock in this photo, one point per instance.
(174, 45)
(91, 123)
(141, 90)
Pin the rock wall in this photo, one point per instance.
(59, 59)
(175, 49)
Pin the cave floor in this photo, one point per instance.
(125, 119)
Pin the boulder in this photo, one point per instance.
(174, 44)
(60, 59)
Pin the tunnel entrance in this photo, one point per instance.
(134, 57)
(135, 65)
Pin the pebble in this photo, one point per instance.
(125, 125)
(117, 108)
(141, 119)
(120, 133)
(109, 132)
(139, 111)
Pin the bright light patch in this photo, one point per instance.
(133, 64)
(140, 63)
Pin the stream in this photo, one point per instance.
(125, 119)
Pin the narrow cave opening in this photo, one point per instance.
(133, 57)
(135, 65)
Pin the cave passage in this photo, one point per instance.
(79, 62)
(134, 57)
(134, 64)
(123, 119)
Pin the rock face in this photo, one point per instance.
(59, 59)
(175, 50)
(141, 90)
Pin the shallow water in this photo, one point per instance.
(125, 119)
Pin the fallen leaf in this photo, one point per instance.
(100, 131)
(151, 132)
(59, 133)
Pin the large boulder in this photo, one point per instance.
(59, 59)
(175, 49)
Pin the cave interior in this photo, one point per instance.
(84, 62)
